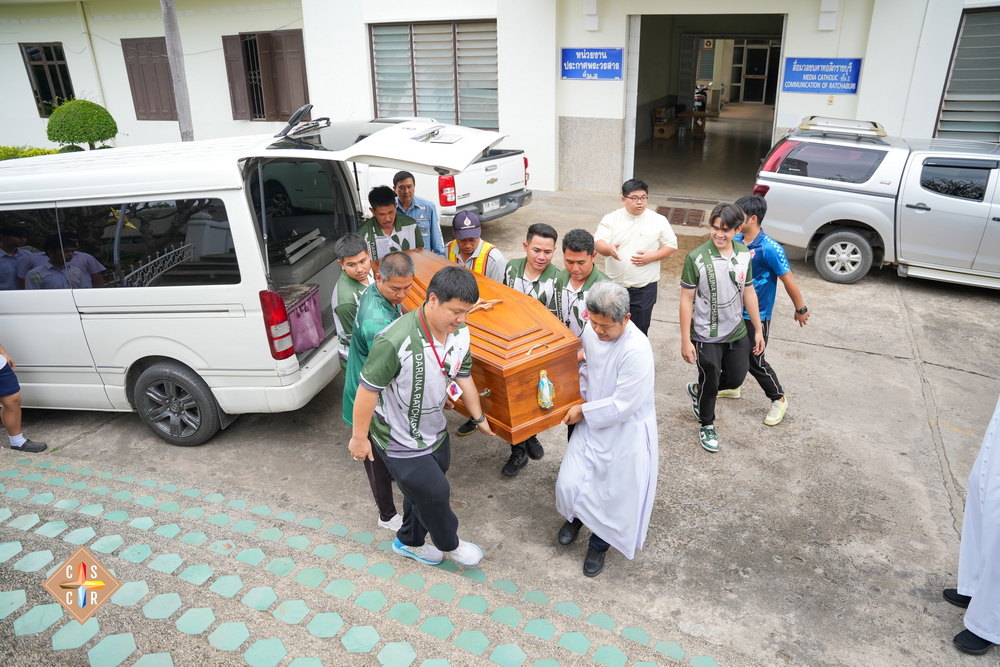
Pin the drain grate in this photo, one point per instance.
(687, 217)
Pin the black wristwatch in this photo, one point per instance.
(802, 311)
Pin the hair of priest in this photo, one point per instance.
(608, 299)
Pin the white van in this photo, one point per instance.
(190, 330)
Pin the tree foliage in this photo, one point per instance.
(81, 122)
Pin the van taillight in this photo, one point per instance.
(446, 190)
(761, 190)
(526, 170)
(279, 331)
(774, 160)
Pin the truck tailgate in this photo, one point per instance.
(486, 179)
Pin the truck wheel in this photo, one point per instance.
(843, 257)
(176, 404)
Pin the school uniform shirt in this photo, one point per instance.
(649, 231)
(409, 418)
(769, 263)
(344, 303)
(426, 215)
(49, 277)
(13, 267)
(496, 263)
(374, 314)
(542, 288)
(571, 304)
(405, 236)
(718, 283)
(82, 260)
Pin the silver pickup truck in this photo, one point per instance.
(854, 198)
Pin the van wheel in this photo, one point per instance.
(843, 257)
(176, 404)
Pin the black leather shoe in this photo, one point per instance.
(518, 459)
(468, 428)
(594, 563)
(535, 449)
(953, 596)
(569, 531)
(968, 642)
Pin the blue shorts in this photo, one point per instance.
(8, 382)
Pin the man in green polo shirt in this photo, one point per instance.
(355, 276)
(415, 365)
(574, 281)
(387, 230)
(379, 307)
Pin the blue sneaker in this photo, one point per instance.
(428, 554)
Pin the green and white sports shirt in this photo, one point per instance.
(409, 420)
(543, 288)
(718, 283)
(571, 304)
(405, 236)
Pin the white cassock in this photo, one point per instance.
(979, 557)
(608, 476)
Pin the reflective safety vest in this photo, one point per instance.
(480, 265)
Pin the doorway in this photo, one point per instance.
(755, 71)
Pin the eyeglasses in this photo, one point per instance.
(638, 200)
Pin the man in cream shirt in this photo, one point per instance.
(634, 240)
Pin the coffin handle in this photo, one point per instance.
(485, 393)
(528, 353)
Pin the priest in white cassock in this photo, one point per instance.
(607, 480)
(979, 556)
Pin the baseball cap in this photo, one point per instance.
(466, 225)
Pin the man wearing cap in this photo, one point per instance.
(471, 251)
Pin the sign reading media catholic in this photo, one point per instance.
(825, 76)
(593, 64)
(81, 585)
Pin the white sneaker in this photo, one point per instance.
(467, 554)
(428, 554)
(729, 393)
(393, 524)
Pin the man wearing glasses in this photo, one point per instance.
(634, 240)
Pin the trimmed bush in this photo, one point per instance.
(81, 122)
(11, 152)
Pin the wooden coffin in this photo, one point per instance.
(511, 344)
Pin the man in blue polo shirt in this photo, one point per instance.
(420, 209)
(769, 265)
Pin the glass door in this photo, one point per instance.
(755, 74)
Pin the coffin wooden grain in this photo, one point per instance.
(511, 345)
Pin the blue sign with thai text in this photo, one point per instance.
(826, 76)
(591, 63)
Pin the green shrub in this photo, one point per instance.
(81, 122)
(11, 152)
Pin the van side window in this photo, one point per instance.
(160, 243)
(962, 182)
(832, 163)
(23, 234)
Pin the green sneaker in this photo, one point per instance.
(709, 440)
(692, 389)
(729, 393)
(777, 412)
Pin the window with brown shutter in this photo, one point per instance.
(267, 74)
(48, 74)
(149, 78)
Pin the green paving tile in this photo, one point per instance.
(508, 655)
(610, 656)
(11, 601)
(360, 639)
(227, 586)
(169, 507)
(220, 519)
(541, 628)
(413, 581)
(18, 494)
(44, 464)
(286, 516)
(34, 477)
(637, 635)
(263, 510)
(602, 621)
(250, 556)
(77, 486)
(112, 650)
(447, 565)
(162, 606)
(194, 513)
(142, 523)
(537, 597)
(298, 542)
(224, 547)
(84, 471)
(364, 538)
(341, 588)
(99, 490)
(34, 561)
(371, 600)
(130, 593)
(169, 530)
(246, 526)
(397, 654)
(311, 577)
(291, 611)
(265, 653)
(312, 522)
(52, 528)
(357, 561)
(8, 550)
(406, 613)
(117, 517)
(672, 649)
(145, 501)
(107, 544)
(38, 619)
(80, 535)
(575, 641)
(337, 530)
(4, 512)
(74, 635)
(65, 467)
(272, 534)
(42, 498)
(474, 603)
(24, 522)
(386, 546)
(92, 510)
(260, 598)
(10, 473)
(154, 660)
(505, 585)
(472, 641)
(68, 504)
(191, 493)
(507, 615)
(570, 609)
(196, 574)
(382, 570)
(195, 539)
(169, 487)
(438, 626)
(105, 475)
(306, 662)
(281, 566)
(443, 592)
(475, 575)
(237, 504)
(167, 563)
(229, 636)
(327, 551)
(151, 483)
(195, 621)
(325, 625)
(703, 661)
(214, 498)
(56, 481)
(122, 495)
